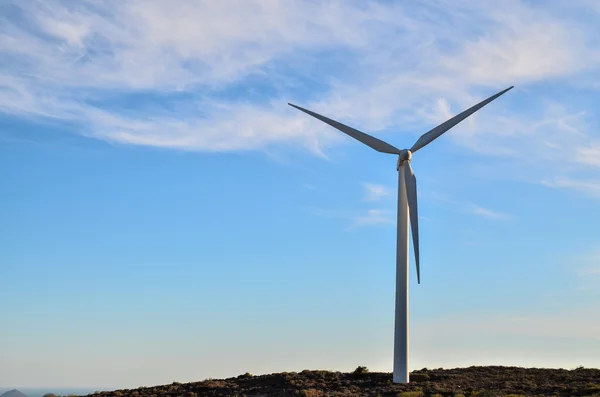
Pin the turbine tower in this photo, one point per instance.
(407, 207)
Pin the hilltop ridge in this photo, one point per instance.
(492, 381)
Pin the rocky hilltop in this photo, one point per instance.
(13, 393)
(459, 382)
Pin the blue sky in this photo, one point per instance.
(166, 216)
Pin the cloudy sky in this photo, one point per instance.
(166, 216)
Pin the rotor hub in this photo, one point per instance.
(405, 155)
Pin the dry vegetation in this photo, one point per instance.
(460, 382)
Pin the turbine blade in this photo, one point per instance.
(368, 140)
(429, 136)
(411, 193)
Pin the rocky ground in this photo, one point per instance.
(459, 382)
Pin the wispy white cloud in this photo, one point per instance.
(526, 44)
(76, 49)
(487, 213)
(589, 187)
(358, 219)
(589, 155)
(201, 75)
(371, 217)
(593, 270)
(375, 192)
(468, 207)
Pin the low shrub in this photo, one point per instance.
(419, 377)
(310, 393)
(412, 394)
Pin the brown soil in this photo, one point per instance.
(459, 382)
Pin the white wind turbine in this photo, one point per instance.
(407, 205)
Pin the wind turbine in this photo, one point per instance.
(407, 206)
